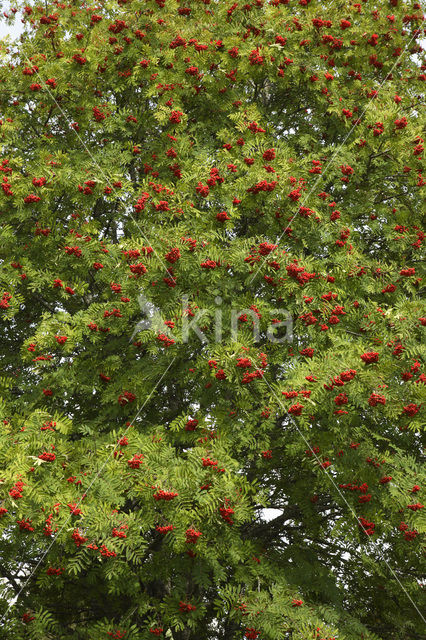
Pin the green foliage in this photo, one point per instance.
(210, 215)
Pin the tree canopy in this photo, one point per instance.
(210, 306)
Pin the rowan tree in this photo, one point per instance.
(210, 305)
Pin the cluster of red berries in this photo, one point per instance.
(126, 397)
(165, 340)
(339, 381)
(16, 491)
(244, 363)
(27, 617)
(296, 409)
(222, 216)
(175, 116)
(120, 532)
(74, 510)
(106, 553)
(346, 376)
(325, 464)
(31, 198)
(47, 456)
(263, 185)
(374, 462)
(139, 206)
(353, 487)
(136, 461)
(173, 255)
(408, 535)
(98, 115)
(79, 59)
(370, 356)
(164, 529)
(138, 269)
(4, 302)
(186, 607)
(25, 525)
(78, 538)
(295, 195)
(249, 377)
(117, 634)
(415, 507)
(76, 251)
(88, 188)
(366, 526)
(226, 513)
(375, 399)
(51, 571)
(411, 409)
(341, 399)
(191, 424)
(165, 495)
(48, 530)
(207, 462)
(290, 394)
(192, 536)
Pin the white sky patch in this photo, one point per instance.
(7, 28)
(270, 514)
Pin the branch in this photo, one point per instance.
(6, 574)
